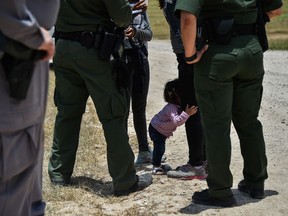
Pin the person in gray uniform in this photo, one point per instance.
(25, 48)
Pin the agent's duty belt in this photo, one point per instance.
(221, 30)
(86, 38)
(244, 29)
(105, 41)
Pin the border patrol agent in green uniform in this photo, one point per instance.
(85, 38)
(228, 83)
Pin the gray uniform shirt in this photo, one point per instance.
(20, 20)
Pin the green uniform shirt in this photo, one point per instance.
(85, 15)
(244, 11)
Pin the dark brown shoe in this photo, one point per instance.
(204, 198)
(253, 192)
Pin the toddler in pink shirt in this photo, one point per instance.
(164, 123)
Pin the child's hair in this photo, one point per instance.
(161, 3)
(171, 92)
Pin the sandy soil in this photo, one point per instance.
(168, 196)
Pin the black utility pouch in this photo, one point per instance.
(107, 47)
(221, 29)
(87, 39)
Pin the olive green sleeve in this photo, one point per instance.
(119, 11)
(269, 5)
(191, 6)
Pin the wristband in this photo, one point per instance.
(191, 58)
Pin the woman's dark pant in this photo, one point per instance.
(138, 89)
(193, 126)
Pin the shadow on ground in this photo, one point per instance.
(97, 187)
(241, 198)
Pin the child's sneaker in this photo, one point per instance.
(163, 169)
(157, 171)
(188, 172)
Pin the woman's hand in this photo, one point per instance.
(130, 32)
(141, 5)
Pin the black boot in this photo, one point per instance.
(142, 182)
(204, 198)
(253, 192)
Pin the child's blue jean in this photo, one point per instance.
(159, 145)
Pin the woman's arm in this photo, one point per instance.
(143, 32)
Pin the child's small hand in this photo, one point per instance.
(191, 110)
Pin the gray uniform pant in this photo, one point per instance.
(20, 181)
(228, 83)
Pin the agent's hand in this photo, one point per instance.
(130, 32)
(191, 110)
(199, 55)
(48, 45)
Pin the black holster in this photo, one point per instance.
(220, 29)
(262, 19)
(18, 63)
(109, 43)
(121, 73)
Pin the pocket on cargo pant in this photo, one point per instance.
(223, 66)
(112, 106)
(119, 103)
(18, 152)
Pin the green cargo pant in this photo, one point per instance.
(80, 73)
(228, 83)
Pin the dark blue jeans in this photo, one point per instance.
(159, 145)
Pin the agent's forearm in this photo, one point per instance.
(274, 13)
(188, 33)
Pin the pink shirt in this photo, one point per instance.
(168, 119)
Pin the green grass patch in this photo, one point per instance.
(158, 22)
(277, 29)
(278, 44)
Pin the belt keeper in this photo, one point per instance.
(191, 58)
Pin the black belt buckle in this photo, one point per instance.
(87, 39)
